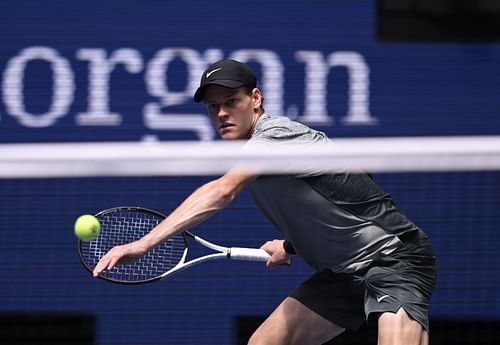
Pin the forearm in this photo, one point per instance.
(200, 205)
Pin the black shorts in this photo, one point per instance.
(404, 279)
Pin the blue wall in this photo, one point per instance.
(134, 65)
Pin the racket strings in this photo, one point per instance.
(124, 226)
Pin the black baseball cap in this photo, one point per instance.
(227, 73)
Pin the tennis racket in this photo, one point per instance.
(122, 225)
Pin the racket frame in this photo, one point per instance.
(221, 252)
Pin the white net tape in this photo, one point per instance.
(473, 153)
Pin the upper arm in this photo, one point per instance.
(234, 181)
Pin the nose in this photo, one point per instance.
(221, 111)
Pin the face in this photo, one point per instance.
(234, 112)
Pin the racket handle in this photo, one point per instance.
(248, 254)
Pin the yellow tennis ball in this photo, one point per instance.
(87, 227)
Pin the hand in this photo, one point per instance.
(120, 255)
(278, 255)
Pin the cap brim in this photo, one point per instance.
(230, 84)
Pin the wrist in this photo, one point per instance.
(288, 247)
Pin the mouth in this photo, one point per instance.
(225, 125)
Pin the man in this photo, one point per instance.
(371, 261)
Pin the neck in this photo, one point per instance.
(256, 117)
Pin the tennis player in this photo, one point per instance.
(371, 262)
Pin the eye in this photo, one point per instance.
(232, 101)
(212, 107)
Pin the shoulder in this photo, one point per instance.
(282, 128)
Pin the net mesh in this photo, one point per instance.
(41, 271)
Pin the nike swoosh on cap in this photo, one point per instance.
(212, 72)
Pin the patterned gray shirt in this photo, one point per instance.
(338, 221)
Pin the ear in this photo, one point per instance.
(256, 98)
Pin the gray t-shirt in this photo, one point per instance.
(339, 221)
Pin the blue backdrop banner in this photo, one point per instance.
(94, 71)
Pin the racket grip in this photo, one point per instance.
(248, 254)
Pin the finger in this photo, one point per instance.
(274, 262)
(112, 263)
(98, 269)
(269, 262)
